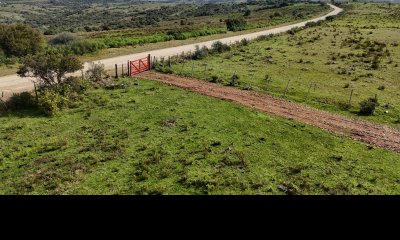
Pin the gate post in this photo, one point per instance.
(149, 62)
(129, 68)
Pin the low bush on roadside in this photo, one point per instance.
(97, 75)
(21, 100)
(219, 47)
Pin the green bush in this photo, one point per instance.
(235, 24)
(367, 107)
(63, 38)
(200, 53)
(97, 74)
(23, 100)
(234, 79)
(164, 69)
(219, 47)
(76, 84)
(50, 102)
(20, 40)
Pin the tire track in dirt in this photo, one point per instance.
(369, 133)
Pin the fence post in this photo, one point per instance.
(308, 92)
(139, 65)
(351, 94)
(287, 87)
(149, 62)
(192, 68)
(183, 66)
(129, 69)
(116, 70)
(205, 69)
(122, 72)
(169, 61)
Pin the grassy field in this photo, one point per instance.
(150, 138)
(358, 52)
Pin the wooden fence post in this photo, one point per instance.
(129, 68)
(287, 87)
(122, 70)
(169, 61)
(205, 69)
(183, 66)
(192, 68)
(116, 70)
(351, 94)
(309, 89)
(149, 61)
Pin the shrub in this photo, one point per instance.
(51, 102)
(23, 100)
(219, 47)
(200, 53)
(63, 38)
(76, 84)
(97, 74)
(234, 79)
(244, 42)
(235, 24)
(20, 40)
(311, 24)
(367, 107)
(164, 69)
(81, 47)
(214, 79)
(330, 18)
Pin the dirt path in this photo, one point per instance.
(370, 133)
(14, 83)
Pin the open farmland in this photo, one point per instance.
(149, 138)
(358, 51)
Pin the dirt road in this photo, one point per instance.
(370, 133)
(13, 83)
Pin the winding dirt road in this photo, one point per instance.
(370, 133)
(14, 83)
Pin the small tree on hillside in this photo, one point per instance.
(50, 69)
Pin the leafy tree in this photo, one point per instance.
(20, 40)
(50, 69)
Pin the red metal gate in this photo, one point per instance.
(139, 65)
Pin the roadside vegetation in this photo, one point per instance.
(349, 64)
(78, 31)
